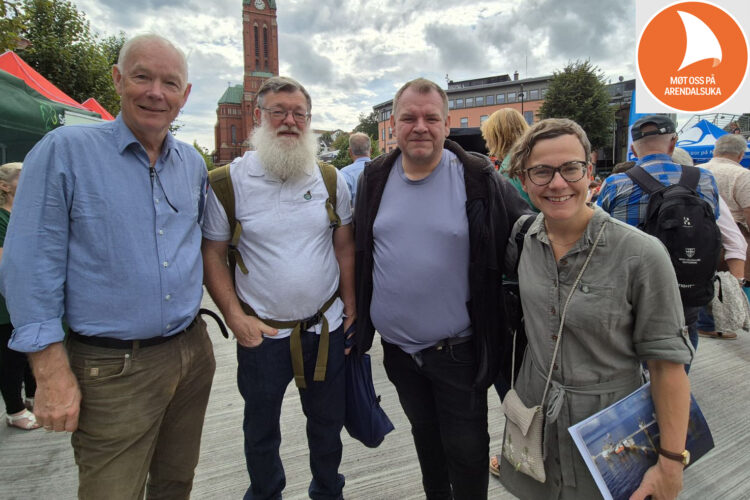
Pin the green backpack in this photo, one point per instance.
(221, 183)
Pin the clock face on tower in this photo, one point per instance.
(260, 5)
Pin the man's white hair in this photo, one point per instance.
(128, 46)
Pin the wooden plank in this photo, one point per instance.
(40, 465)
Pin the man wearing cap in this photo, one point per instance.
(654, 140)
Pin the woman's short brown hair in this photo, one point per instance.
(545, 129)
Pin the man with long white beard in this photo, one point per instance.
(293, 289)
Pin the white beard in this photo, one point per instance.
(284, 157)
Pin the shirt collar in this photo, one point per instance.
(124, 138)
(538, 230)
(655, 157)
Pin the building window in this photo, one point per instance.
(464, 122)
(390, 132)
(490, 100)
(383, 133)
(459, 103)
(257, 42)
(469, 102)
(544, 93)
(234, 134)
(533, 95)
(511, 97)
(483, 118)
(500, 98)
(265, 44)
(450, 104)
(480, 100)
(528, 116)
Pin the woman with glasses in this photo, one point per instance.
(625, 310)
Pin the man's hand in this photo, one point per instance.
(662, 481)
(249, 330)
(350, 323)
(57, 401)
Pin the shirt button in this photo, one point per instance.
(168, 296)
(156, 200)
(585, 289)
(564, 262)
(161, 231)
(165, 263)
(552, 311)
(169, 325)
(554, 337)
(556, 367)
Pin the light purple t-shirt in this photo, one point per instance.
(421, 254)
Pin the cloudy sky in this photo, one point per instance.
(354, 54)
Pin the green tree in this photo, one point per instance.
(368, 124)
(205, 154)
(11, 24)
(579, 93)
(66, 51)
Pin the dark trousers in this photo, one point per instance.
(14, 372)
(448, 418)
(691, 320)
(263, 374)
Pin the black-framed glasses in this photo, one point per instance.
(572, 171)
(279, 114)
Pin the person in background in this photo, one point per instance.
(734, 187)
(359, 151)
(500, 131)
(106, 233)
(625, 310)
(14, 366)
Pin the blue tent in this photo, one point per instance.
(699, 142)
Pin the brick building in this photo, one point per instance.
(261, 60)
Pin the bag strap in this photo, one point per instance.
(328, 172)
(220, 179)
(646, 181)
(521, 237)
(690, 177)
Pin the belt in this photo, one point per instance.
(295, 340)
(127, 344)
(449, 342)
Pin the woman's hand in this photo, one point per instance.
(662, 481)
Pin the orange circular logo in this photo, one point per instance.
(692, 56)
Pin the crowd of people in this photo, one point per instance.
(115, 230)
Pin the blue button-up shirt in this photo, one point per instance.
(351, 174)
(93, 237)
(626, 201)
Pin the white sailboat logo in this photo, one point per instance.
(701, 41)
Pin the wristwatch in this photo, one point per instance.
(683, 458)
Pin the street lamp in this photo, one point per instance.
(520, 94)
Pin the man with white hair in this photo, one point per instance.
(105, 233)
(359, 151)
(293, 292)
(654, 140)
(734, 187)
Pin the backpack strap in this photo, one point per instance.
(221, 183)
(646, 181)
(521, 235)
(328, 172)
(690, 177)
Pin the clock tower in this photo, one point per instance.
(261, 61)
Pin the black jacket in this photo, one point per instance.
(492, 207)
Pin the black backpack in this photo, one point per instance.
(686, 224)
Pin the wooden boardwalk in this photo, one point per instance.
(39, 465)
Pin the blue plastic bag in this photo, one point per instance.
(365, 420)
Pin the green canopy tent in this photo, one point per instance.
(26, 115)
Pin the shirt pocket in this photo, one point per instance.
(592, 307)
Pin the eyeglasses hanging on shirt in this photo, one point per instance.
(154, 173)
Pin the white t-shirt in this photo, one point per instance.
(286, 242)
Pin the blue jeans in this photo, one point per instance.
(448, 418)
(263, 374)
(706, 321)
